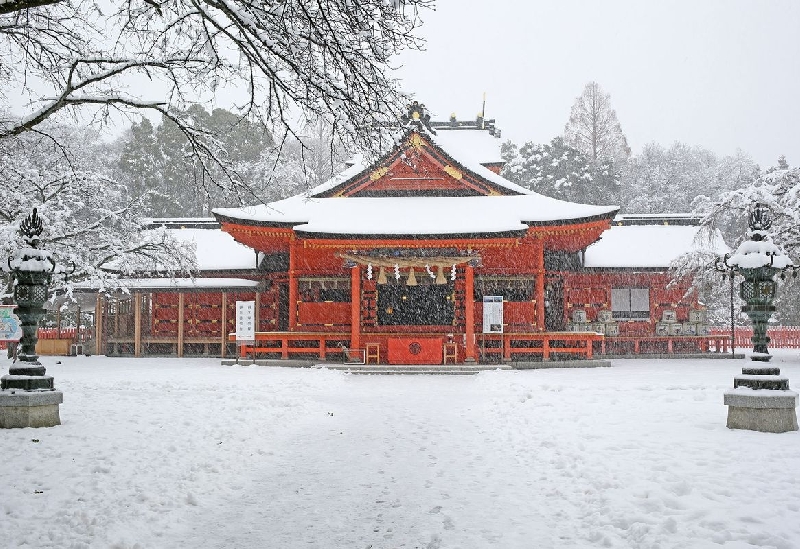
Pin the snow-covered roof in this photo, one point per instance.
(187, 283)
(217, 250)
(421, 215)
(478, 145)
(648, 246)
(469, 148)
(416, 215)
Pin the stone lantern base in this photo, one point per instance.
(29, 408)
(761, 401)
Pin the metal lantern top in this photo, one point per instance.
(760, 217)
(27, 261)
(31, 228)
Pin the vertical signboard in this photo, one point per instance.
(245, 322)
(492, 314)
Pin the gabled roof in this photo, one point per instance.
(426, 164)
(428, 185)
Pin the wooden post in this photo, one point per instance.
(117, 304)
(469, 313)
(137, 325)
(224, 329)
(540, 325)
(180, 324)
(292, 287)
(355, 307)
(257, 313)
(98, 325)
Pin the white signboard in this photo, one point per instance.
(492, 314)
(10, 327)
(245, 321)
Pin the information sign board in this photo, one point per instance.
(492, 314)
(245, 321)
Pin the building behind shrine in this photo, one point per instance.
(426, 255)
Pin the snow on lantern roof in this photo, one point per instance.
(759, 251)
(648, 246)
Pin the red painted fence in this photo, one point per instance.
(781, 337)
(66, 333)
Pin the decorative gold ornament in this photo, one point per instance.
(378, 173)
(412, 279)
(382, 276)
(453, 172)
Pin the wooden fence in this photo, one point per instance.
(781, 337)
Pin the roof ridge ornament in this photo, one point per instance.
(418, 116)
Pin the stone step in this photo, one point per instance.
(771, 382)
(761, 371)
(425, 369)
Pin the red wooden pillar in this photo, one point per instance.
(469, 313)
(98, 326)
(355, 307)
(224, 323)
(181, 316)
(539, 258)
(137, 324)
(292, 286)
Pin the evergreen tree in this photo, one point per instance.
(160, 162)
(555, 169)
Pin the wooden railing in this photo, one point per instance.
(66, 333)
(289, 344)
(509, 347)
(651, 344)
(781, 337)
(491, 347)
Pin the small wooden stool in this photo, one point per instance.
(373, 352)
(450, 351)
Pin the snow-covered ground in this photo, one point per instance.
(169, 453)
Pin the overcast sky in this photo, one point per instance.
(721, 74)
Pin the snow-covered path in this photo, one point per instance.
(182, 453)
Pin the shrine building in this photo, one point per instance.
(425, 256)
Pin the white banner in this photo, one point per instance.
(492, 314)
(245, 321)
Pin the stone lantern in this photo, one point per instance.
(27, 396)
(760, 399)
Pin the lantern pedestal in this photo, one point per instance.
(19, 409)
(761, 401)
